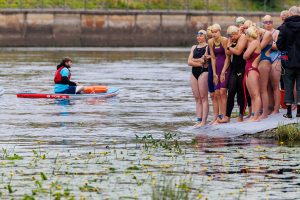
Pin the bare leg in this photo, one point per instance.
(217, 97)
(264, 70)
(223, 94)
(249, 112)
(270, 96)
(195, 90)
(252, 83)
(275, 80)
(215, 107)
(203, 91)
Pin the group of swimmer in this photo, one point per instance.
(252, 62)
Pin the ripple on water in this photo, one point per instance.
(91, 141)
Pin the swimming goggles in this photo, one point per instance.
(200, 33)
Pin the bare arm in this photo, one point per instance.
(275, 38)
(251, 48)
(212, 56)
(213, 61)
(229, 44)
(198, 60)
(241, 45)
(266, 39)
(226, 64)
(227, 60)
(191, 61)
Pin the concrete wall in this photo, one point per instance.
(110, 28)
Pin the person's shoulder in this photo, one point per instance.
(210, 41)
(193, 47)
(224, 39)
(64, 70)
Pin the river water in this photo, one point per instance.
(90, 142)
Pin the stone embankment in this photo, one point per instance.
(110, 27)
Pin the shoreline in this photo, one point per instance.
(267, 134)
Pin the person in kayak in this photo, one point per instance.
(63, 84)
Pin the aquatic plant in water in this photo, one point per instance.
(169, 142)
(168, 189)
(7, 156)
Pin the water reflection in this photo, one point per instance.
(64, 108)
(205, 141)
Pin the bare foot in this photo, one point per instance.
(213, 121)
(224, 120)
(239, 119)
(263, 117)
(217, 121)
(196, 124)
(200, 124)
(275, 112)
(248, 116)
(254, 119)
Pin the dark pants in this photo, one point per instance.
(283, 64)
(235, 86)
(291, 76)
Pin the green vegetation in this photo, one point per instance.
(171, 190)
(6, 155)
(170, 142)
(216, 5)
(151, 167)
(288, 133)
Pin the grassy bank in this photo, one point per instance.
(217, 5)
(285, 134)
(288, 133)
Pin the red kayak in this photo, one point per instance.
(111, 92)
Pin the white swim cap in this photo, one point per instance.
(240, 20)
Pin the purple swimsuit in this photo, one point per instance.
(220, 55)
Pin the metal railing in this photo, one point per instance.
(212, 5)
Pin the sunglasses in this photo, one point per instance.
(229, 35)
(268, 22)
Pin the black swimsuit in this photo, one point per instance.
(198, 53)
(235, 84)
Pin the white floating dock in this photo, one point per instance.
(234, 129)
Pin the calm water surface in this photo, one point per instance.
(155, 98)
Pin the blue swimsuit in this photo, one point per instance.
(263, 55)
(273, 55)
